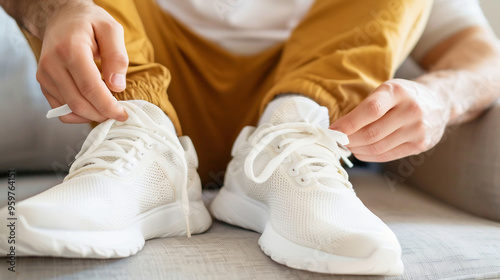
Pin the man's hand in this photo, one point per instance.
(77, 33)
(398, 119)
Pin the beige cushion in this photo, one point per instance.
(463, 169)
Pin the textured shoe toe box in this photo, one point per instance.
(363, 245)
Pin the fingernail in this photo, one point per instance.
(125, 116)
(118, 80)
(122, 118)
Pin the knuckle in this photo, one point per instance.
(349, 125)
(374, 149)
(43, 67)
(415, 110)
(88, 90)
(422, 128)
(387, 90)
(370, 134)
(39, 76)
(111, 25)
(118, 58)
(420, 145)
(77, 107)
(375, 108)
(63, 50)
(108, 111)
(47, 94)
(397, 88)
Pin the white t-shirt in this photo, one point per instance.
(250, 26)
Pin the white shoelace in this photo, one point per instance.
(300, 135)
(127, 143)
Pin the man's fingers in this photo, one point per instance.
(386, 144)
(403, 150)
(111, 40)
(78, 104)
(412, 138)
(54, 103)
(73, 118)
(88, 80)
(49, 90)
(394, 119)
(368, 111)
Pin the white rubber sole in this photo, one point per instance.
(164, 221)
(248, 213)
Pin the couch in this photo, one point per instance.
(439, 240)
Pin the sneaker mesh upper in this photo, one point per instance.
(320, 217)
(323, 214)
(99, 199)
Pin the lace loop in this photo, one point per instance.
(300, 136)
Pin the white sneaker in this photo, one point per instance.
(286, 182)
(132, 181)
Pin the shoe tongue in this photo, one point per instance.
(154, 112)
(300, 109)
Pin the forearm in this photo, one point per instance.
(466, 78)
(34, 14)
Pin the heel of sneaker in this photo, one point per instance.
(239, 210)
(168, 221)
(199, 217)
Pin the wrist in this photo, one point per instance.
(34, 16)
(432, 84)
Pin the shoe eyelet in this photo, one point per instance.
(301, 181)
(287, 160)
(293, 171)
